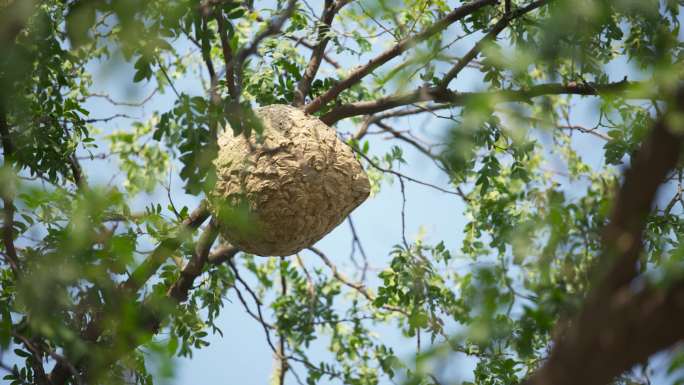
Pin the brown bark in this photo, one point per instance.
(61, 373)
(455, 99)
(619, 325)
(12, 257)
(160, 254)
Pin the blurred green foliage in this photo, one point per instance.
(534, 208)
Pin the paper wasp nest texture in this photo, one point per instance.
(297, 185)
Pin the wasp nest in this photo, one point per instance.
(295, 186)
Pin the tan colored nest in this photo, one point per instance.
(296, 186)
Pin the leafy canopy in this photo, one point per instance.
(556, 259)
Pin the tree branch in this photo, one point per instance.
(605, 343)
(358, 286)
(331, 8)
(490, 36)
(274, 26)
(227, 55)
(38, 354)
(148, 267)
(622, 236)
(36, 359)
(7, 201)
(360, 72)
(206, 56)
(222, 254)
(618, 328)
(8, 235)
(179, 290)
(7, 146)
(454, 98)
(310, 46)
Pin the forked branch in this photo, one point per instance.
(490, 36)
(178, 293)
(273, 27)
(164, 250)
(359, 73)
(331, 8)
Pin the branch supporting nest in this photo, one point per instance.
(456, 99)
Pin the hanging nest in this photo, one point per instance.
(284, 193)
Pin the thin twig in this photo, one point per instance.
(310, 46)
(398, 174)
(491, 35)
(273, 27)
(261, 320)
(126, 104)
(358, 286)
(281, 359)
(403, 212)
(57, 357)
(590, 131)
(111, 117)
(356, 242)
(168, 79)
